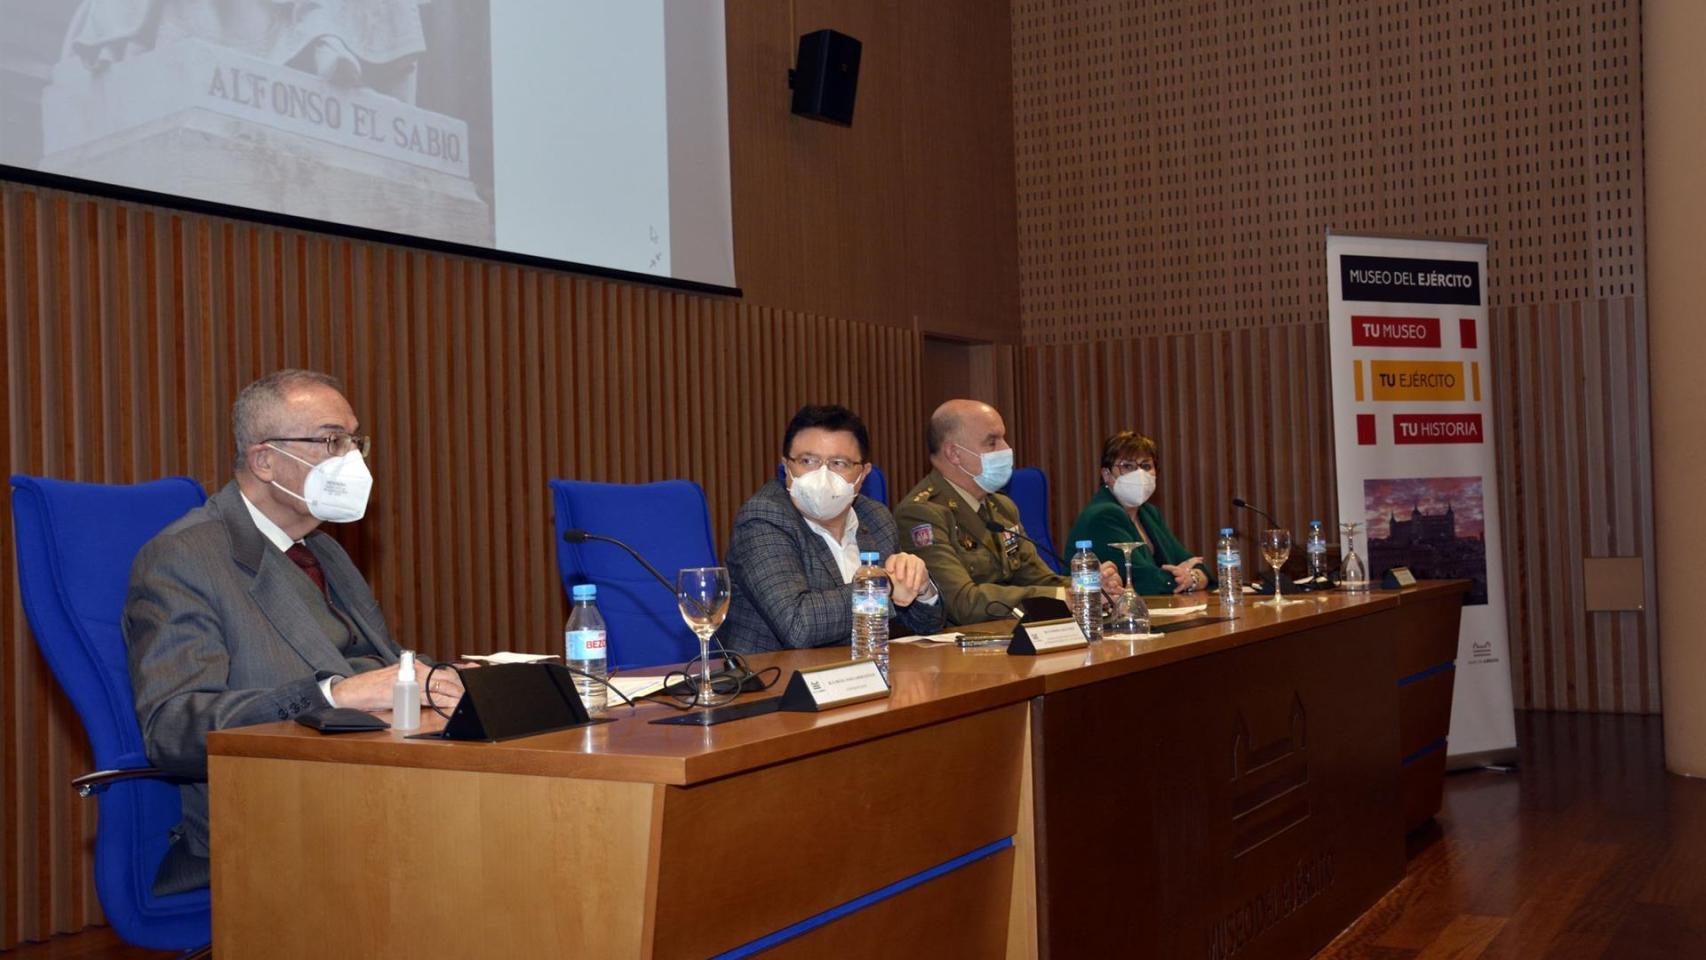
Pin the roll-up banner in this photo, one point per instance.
(1413, 427)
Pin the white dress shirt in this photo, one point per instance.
(846, 553)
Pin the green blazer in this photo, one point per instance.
(1104, 521)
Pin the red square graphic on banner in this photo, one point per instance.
(1365, 429)
(1466, 332)
(1436, 428)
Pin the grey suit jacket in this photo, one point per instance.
(787, 590)
(220, 635)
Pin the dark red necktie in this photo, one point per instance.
(303, 557)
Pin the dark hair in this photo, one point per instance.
(831, 417)
(1126, 443)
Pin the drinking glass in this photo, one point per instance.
(1353, 573)
(702, 593)
(1276, 547)
(1131, 613)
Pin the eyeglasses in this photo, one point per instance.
(336, 444)
(841, 465)
(1127, 466)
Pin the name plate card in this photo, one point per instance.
(1046, 636)
(835, 685)
(1398, 577)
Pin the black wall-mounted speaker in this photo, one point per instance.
(827, 76)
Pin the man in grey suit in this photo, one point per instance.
(797, 541)
(244, 612)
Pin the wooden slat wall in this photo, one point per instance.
(1178, 164)
(127, 331)
(1249, 412)
(1233, 412)
(1575, 475)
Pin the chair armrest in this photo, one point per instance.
(90, 784)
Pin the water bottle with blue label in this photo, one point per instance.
(871, 611)
(1087, 590)
(1229, 569)
(585, 646)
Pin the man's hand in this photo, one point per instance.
(371, 690)
(1112, 584)
(1184, 577)
(907, 577)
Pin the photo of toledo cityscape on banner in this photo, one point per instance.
(1433, 525)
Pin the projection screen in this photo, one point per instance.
(580, 131)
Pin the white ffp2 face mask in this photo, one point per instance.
(336, 490)
(822, 494)
(1134, 489)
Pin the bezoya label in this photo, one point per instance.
(584, 644)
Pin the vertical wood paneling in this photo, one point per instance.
(127, 331)
(1177, 164)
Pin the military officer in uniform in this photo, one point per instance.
(946, 519)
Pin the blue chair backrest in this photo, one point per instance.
(75, 544)
(1029, 490)
(669, 523)
(876, 485)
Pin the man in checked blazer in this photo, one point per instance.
(244, 612)
(796, 544)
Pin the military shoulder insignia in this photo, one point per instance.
(922, 496)
(923, 535)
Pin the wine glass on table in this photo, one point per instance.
(1131, 613)
(1353, 573)
(1276, 547)
(702, 593)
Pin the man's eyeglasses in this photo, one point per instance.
(336, 444)
(840, 465)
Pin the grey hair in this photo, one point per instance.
(254, 417)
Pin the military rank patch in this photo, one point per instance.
(923, 535)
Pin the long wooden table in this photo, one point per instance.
(1230, 789)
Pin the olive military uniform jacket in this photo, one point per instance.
(1104, 522)
(980, 573)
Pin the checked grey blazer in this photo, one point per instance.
(787, 588)
(223, 630)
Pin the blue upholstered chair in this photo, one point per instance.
(1029, 490)
(876, 485)
(75, 544)
(669, 524)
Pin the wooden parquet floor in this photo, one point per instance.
(1589, 851)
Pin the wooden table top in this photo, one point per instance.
(930, 685)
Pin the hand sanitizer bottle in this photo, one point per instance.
(406, 696)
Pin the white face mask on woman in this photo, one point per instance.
(822, 494)
(1134, 489)
(336, 489)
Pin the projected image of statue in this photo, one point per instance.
(368, 113)
(351, 43)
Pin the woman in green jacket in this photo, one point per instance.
(1120, 512)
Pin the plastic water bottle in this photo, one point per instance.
(585, 646)
(871, 611)
(1317, 549)
(1087, 590)
(1229, 569)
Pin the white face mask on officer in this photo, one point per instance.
(1134, 489)
(336, 489)
(822, 494)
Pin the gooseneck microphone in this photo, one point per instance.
(578, 536)
(998, 529)
(1247, 505)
